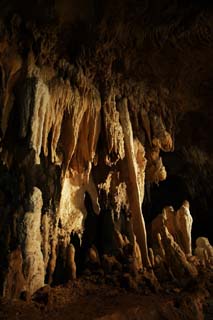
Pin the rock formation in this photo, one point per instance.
(30, 239)
(90, 104)
(204, 251)
(179, 225)
(184, 227)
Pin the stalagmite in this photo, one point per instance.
(15, 282)
(45, 231)
(93, 257)
(204, 250)
(179, 225)
(184, 220)
(110, 263)
(137, 255)
(162, 251)
(175, 257)
(135, 191)
(71, 265)
(152, 257)
(30, 237)
(52, 260)
(167, 217)
(155, 228)
(119, 240)
(169, 220)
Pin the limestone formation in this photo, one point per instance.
(90, 103)
(204, 251)
(15, 283)
(93, 257)
(179, 225)
(168, 244)
(45, 232)
(161, 247)
(52, 261)
(71, 265)
(30, 238)
(110, 263)
(184, 227)
(167, 217)
(161, 138)
(114, 131)
(10, 64)
(175, 258)
(120, 242)
(152, 257)
(137, 255)
(136, 163)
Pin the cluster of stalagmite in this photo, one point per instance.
(179, 225)
(77, 163)
(172, 246)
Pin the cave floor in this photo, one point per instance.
(87, 300)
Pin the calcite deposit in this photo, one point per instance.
(97, 106)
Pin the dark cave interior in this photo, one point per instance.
(105, 122)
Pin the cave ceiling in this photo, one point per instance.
(161, 52)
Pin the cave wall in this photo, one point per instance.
(92, 96)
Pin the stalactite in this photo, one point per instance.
(146, 124)
(62, 99)
(10, 63)
(40, 108)
(134, 193)
(114, 131)
(89, 130)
